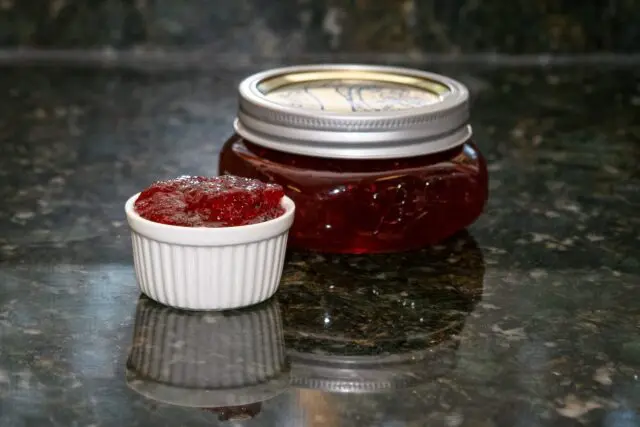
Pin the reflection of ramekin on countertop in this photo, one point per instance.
(208, 360)
(199, 268)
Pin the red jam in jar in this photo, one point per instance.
(222, 201)
(376, 159)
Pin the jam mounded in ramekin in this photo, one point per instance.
(376, 159)
(221, 201)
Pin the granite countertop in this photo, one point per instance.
(530, 318)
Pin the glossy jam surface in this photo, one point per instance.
(223, 201)
(368, 206)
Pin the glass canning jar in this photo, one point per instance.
(376, 159)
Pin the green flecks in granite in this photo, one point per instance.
(630, 351)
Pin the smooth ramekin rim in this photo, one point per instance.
(210, 236)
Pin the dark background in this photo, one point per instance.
(267, 27)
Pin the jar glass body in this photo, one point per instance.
(369, 206)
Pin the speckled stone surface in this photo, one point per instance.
(289, 27)
(531, 318)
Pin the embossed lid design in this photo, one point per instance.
(353, 111)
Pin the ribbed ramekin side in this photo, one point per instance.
(209, 277)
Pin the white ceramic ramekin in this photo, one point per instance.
(199, 268)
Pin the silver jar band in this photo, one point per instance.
(332, 144)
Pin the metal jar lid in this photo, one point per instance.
(353, 111)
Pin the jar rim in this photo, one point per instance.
(353, 111)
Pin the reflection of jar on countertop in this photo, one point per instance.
(377, 159)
